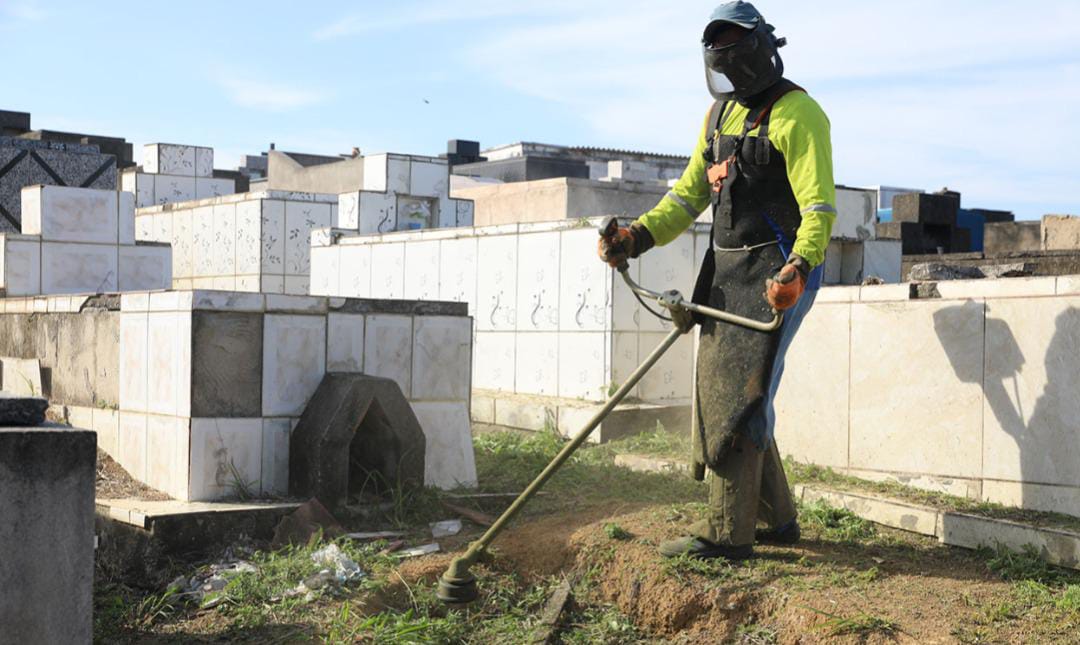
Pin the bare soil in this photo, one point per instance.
(113, 482)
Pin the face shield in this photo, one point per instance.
(744, 68)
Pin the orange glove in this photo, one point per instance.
(627, 242)
(784, 289)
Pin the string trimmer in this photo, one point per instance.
(457, 585)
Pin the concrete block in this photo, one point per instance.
(272, 283)
(47, 537)
(167, 452)
(909, 517)
(358, 433)
(997, 288)
(496, 292)
(1040, 497)
(1030, 407)
(537, 363)
(525, 412)
(421, 281)
(133, 361)
(21, 376)
(227, 369)
(294, 362)
(958, 486)
(833, 263)
(624, 359)
(856, 214)
(493, 360)
(428, 178)
(449, 461)
(78, 268)
(273, 237)
(1057, 547)
(169, 159)
(275, 456)
(183, 245)
(458, 271)
(388, 347)
(125, 218)
(583, 365)
(934, 352)
(106, 423)
(538, 282)
(64, 214)
(345, 343)
(482, 408)
(670, 378)
(812, 423)
(388, 271)
(355, 271)
(325, 270)
(376, 212)
(442, 358)
(926, 208)
(171, 189)
(224, 240)
(300, 219)
(145, 267)
(584, 283)
(466, 212)
(145, 191)
(226, 458)
(297, 285)
(131, 444)
(21, 266)
(208, 187)
(204, 163)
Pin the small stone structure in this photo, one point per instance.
(356, 435)
(47, 534)
(174, 173)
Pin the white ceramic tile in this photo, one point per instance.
(226, 456)
(22, 267)
(125, 218)
(127, 181)
(144, 190)
(66, 214)
(348, 211)
(428, 179)
(345, 343)
(183, 244)
(206, 188)
(107, 426)
(224, 246)
(584, 283)
(457, 271)
(144, 268)
(442, 357)
(388, 344)
(398, 175)
(465, 212)
(300, 218)
(248, 283)
(248, 226)
(273, 237)
(167, 454)
(355, 268)
(538, 282)
(583, 365)
(388, 271)
(375, 172)
(131, 444)
(664, 268)
(422, 270)
(204, 162)
(624, 358)
(537, 363)
(144, 228)
(294, 362)
(493, 360)
(78, 268)
(175, 160)
(297, 285)
(170, 189)
(626, 313)
(133, 361)
(202, 238)
(163, 361)
(449, 459)
(163, 228)
(496, 294)
(272, 283)
(325, 270)
(275, 456)
(670, 378)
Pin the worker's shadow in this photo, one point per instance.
(1046, 438)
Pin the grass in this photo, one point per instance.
(836, 524)
(861, 624)
(658, 442)
(616, 532)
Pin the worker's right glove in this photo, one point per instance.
(626, 242)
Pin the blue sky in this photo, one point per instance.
(979, 96)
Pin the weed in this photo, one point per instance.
(242, 489)
(1026, 565)
(683, 566)
(861, 624)
(600, 625)
(616, 532)
(658, 442)
(1069, 600)
(836, 524)
(754, 634)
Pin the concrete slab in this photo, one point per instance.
(227, 364)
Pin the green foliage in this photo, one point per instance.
(861, 624)
(616, 532)
(1026, 565)
(659, 442)
(684, 566)
(837, 524)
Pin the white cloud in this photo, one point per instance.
(271, 97)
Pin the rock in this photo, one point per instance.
(930, 271)
(18, 410)
(445, 528)
(308, 519)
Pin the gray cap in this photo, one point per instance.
(738, 13)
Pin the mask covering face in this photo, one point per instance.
(746, 67)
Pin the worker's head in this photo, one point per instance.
(741, 57)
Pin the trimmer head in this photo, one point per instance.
(457, 590)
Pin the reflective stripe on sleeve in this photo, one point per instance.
(818, 208)
(682, 202)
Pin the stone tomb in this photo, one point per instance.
(79, 240)
(403, 192)
(174, 173)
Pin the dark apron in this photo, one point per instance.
(755, 219)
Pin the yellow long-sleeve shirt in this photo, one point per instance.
(799, 129)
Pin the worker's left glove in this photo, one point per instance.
(627, 242)
(784, 289)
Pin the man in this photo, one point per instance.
(764, 163)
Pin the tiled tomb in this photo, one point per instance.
(25, 162)
(174, 173)
(196, 392)
(79, 240)
(403, 192)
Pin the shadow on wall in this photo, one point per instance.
(1047, 437)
